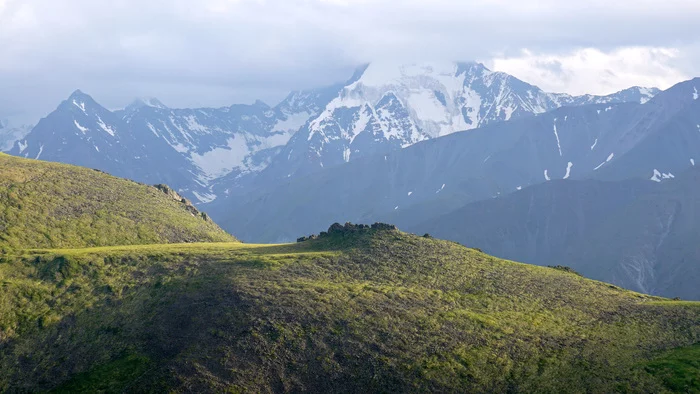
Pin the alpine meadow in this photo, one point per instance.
(349, 196)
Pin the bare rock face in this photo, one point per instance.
(185, 202)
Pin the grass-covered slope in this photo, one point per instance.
(49, 205)
(364, 311)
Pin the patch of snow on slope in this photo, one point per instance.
(474, 103)
(81, 128)
(360, 124)
(556, 135)
(568, 170)
(178, 147)
(658, 176)
(22, 146)
(204, 198)
(594, 144)
(426, 106)
(41, 149)
(509, 112)
(193, 125)
(440, 189)
(153, 129)
(692, 161)
(519, 188)
(293, 123)
(612, 155)
(546, 175)
(346, 155)
(695, 93)
(409, 193)
(221, 161)
(80, 105)
(645, 94)
(104, 126)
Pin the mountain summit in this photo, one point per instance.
(387, 107)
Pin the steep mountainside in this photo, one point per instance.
(358, 310)
(49, 205)
(387, 107)
(651, 141)
(636, 234)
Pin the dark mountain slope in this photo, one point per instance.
(636, 234)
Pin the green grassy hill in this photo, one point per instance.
(48, 205)
(364, 311)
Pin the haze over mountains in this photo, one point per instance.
(408, 144)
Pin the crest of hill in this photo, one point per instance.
(49, 205)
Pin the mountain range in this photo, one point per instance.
(387, 107)
(187, 148)
(651, 141)
(208, 153)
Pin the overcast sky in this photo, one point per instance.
(219, 52)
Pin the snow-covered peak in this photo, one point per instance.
(385, 73)
(79, 95)
(81, 104)
(389, 105)
(146, 102)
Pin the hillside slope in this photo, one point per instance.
(355, 311)
(48, 205)
(639, 235)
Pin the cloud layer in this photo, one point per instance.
(217, 52)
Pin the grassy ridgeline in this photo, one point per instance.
(49, 205)
(365, 312)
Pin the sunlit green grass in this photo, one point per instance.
(378, 311)
(51, 205)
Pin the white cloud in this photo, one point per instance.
(591, 70)
(217, 52)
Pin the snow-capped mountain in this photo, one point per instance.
(209, 152)
(189, 149)
(387, 107)
(653, 141)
